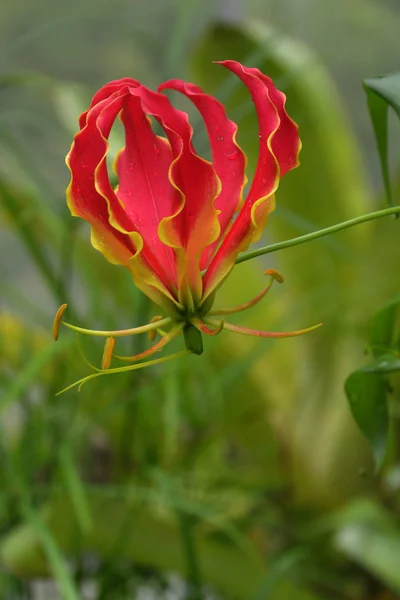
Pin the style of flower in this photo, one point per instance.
(176, 221)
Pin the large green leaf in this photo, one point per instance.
(366, 393)
(382, 328)
(383, 92)
(366, 388)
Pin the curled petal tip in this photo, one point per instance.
(201, 326)
(57, 320)
(107, 353)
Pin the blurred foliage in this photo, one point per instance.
(383, 92)
(241, 470)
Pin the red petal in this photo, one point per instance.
(228, 160)
(145, 190)
(285, 144)
(92, 198)
(85, 201)
(279, 147)
(105, 92)
(195, 223)
(278, 134)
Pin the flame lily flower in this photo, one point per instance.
(176, 221)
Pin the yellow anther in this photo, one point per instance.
(274, 274)
(57, 320)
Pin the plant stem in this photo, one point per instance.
(395, 210)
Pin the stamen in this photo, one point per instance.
(107, 353)
(198, 323)
(57, 319)
(120, 332)
(168, 337)
(263, 334)
(275, 276)
(99, 373)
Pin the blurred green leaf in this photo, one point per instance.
(149, 539)
(75, 489)
(369, 535)
(366, 388)
(383, 92)
(30, 372)
(280, 570)
(366, 393)
(386, 363)
(382, 327)
(13, 201)
(57, 562)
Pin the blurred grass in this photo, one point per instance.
(225, 468)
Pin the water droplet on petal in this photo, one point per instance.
(232, 155)
(156, 149)
(220, 138)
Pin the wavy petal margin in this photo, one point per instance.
(195, 224)
(91, 197)
(279, 149)
(172, 214)
(228, 159)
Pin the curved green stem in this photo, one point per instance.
(394, 210)
(134, 367)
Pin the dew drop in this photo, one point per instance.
(263, 180)
(259, 134)
(217, 128)
(156, 149)
(232, 155)
(220, 138)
